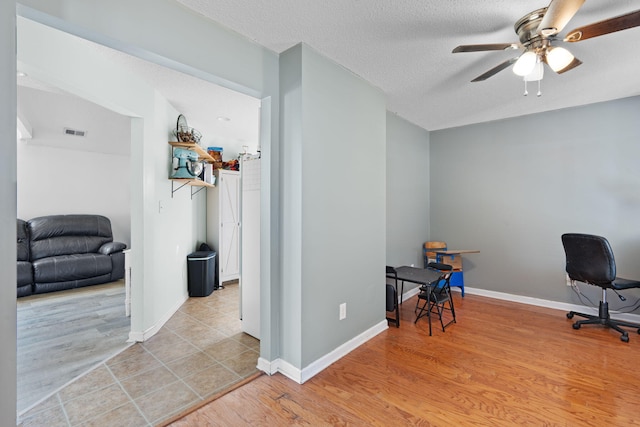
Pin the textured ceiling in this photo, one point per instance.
(404, 48)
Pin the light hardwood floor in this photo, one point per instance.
(501, 364)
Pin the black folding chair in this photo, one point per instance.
(392, 296)
(436, 296)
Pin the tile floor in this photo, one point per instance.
(62, 335)
(198, 352)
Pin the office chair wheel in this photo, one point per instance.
(624, 338)
(576, 325)
(570, 316)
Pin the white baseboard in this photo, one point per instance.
(268, 367)
(545, 303)
(289, 371)
(410, 293)
(302, 375)
(141, 336)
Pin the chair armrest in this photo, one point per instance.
(112, 247)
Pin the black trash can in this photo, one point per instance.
(201, 273)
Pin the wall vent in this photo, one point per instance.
(76, 132)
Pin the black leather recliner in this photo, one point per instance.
(66, 252)
(25, 271)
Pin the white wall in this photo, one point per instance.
(510, 188)
(407, 192)
(57, 181)
(62, 174)
(8, 215)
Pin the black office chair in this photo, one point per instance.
(392, 296)
(436, 296)
(590, 260)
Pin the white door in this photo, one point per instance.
(229, 205)
(250, 275)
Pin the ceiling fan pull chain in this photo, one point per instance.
(539, 91)
(525, 88)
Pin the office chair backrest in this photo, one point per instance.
(589, 259)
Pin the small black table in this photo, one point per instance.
(420, 276)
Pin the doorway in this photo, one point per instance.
(138, 221)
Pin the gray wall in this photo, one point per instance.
(407, 192)
(510, 189)
(8, 215)
(333, 204)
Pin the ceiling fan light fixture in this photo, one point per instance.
(536, 74)
(559, 58)
(525, 64)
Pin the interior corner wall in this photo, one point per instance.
(511, 188)
(334, 172)
(407, 191)
(8, 214)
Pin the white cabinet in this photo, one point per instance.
(223, 223)
(250, 280)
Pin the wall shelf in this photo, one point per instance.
(202, 154)
(178, 183)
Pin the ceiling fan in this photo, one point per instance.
(538, 33)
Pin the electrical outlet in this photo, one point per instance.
(343, 311)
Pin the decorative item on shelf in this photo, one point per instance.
(233, 165)
(190, 135)
(184, 133)
(187, 165)
(216, 153)
(209, 176)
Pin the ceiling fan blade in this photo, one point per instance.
(484, 47)
(607, 26)
(558, 14)
(495, 70)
